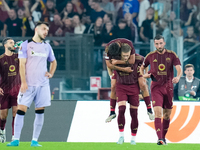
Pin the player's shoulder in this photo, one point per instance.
(151, 53)
(171, 52)
(138, 57)
(2, 56)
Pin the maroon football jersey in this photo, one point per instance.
(129, 78)
(9, 71)
(161, 65)
(121, 41)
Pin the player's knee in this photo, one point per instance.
(158, 114)
(41, 111)
(143, 86)
(3, 116)
(122, 110)
(20, 112)
(166, 116)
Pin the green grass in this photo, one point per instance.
(101, 146)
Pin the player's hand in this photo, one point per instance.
(147, 75)
(175, 80)
(128, 69)
(24, 87)
(114, 61)
(48, 75)
(193, 93)
(1, 91)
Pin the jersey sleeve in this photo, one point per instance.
(22, 52)
(176, 60)
(146, 62)
(51, 56)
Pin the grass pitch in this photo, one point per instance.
(100, 146)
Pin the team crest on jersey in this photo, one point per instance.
(168, 59)
(12, 68)
(161, 67)
(16, 59)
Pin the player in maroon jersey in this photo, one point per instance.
(113, 50)
(162, 61)
(9, 84)
(127, 89)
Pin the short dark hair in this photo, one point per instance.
(188, 66)
(5, 40)
(158, 37)
(114, 49)
(41, 22)
(125, 48)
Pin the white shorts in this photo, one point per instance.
(39, 94)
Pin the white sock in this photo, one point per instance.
(121, 134)
(37, 127)
(133, 138)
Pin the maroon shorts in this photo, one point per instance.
(128, 93)
(161, 95)
(7, 101)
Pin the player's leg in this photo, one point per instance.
(112, 101)
(145, 93)
(121, 119)
(14, 112)
(37, 127)
(42, 100)
(166, 122)
(134, 123)
(3, 116)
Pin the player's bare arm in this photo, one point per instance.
(130, 61)
(179, 74)
(146, 75)
(52, 69)
(22, 68)
(1, 91)
(113, 67)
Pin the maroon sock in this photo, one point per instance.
(2, 124)
(165, 127)
(134, 121)
(158, 127)
(121, 118)
(112, 104)
(13, 125)
(147, 102)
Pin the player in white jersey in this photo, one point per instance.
(33, 57)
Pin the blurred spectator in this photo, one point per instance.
(158, 6)
(49, 11)
(133, 27)
(68, 11)
(146, 30)
(97, 11)
(166, 32)
(60, 5)
(107, 18)
(79, 28)
(191, 38)
(122, 30)
(1, 28)
(131, 7)
(36, 10)
(96, 29)
(4, 10)
(67, 28)
(108, 7)
(144, 5)
(13, 25)
(185, 10)
(55, 28)
(177, 30)
(78, 6)
(118, 10)
(86, 20)
(108, 33)
(188, 87)
(15, 4)
(24, 14)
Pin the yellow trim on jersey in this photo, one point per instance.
(170, 51)
(150, 53)
(106, 49)
(2, 56)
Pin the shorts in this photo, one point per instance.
(40, 95)
(7, 101)
(162, 96)
(128, 93)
